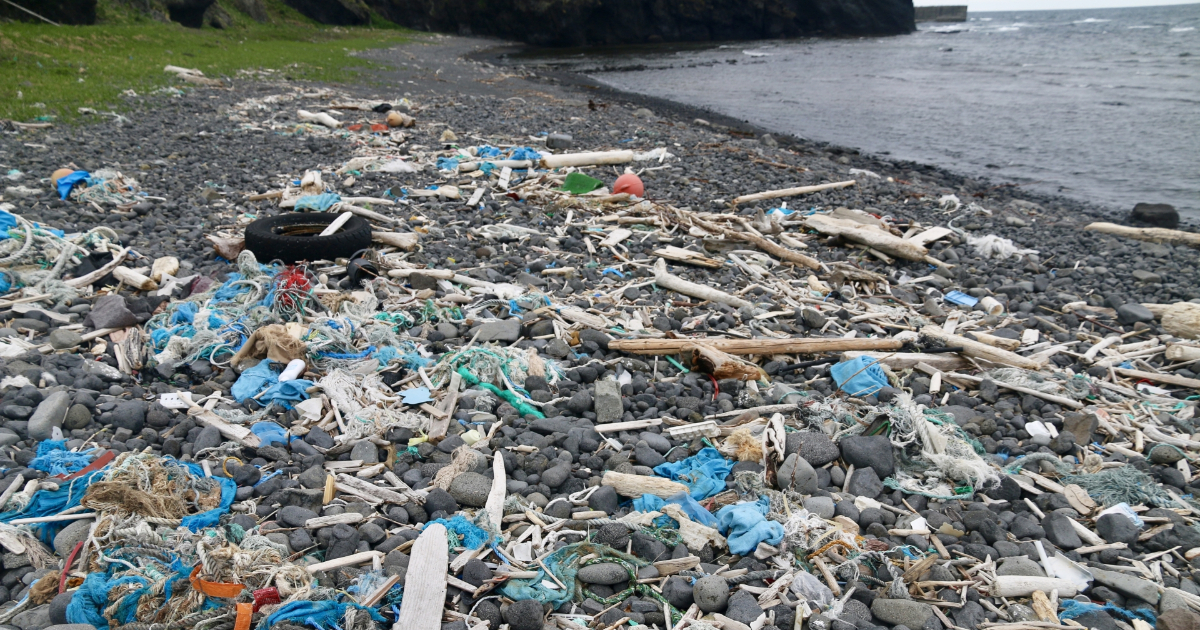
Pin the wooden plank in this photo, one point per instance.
(928, 236)
(637, 485)
(627, 426)
(437, 428)
(495, 501)
(425, 597)
(1170, 379)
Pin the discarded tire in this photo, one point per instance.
(294, 237)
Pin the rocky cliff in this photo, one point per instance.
(609, 22)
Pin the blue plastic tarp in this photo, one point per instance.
(320, 203)
(67, 182)
(703, 473)
(8, 221)
(262, 383)
(860, 376)
(89, 601)
(197, 522)
(51, 502)
(695, 511)
(269, 433)
(745, 525)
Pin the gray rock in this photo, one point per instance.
(33, 619)
(816, 448)
(608, 402)
(711, 593)
(1133, 313)
(1127, 584)
(1172, 598)
(524, 615)
(821, 506)
(71, 626)
(647, 456)
(209, 437)
(314, 477)
(1060, 531)
(604, 499)
(78, 417)
(678, 592)
(1020, 565)
(58, 608)
(439, 500)
(366, 451)
(874, 451)
(655, 441)
(743, 607)
(556, 475)
(864, 483)
(1117, 528)
(1162, 215)
(130, 415)
(50, 413)
(797, 474)
(1165, 455)
(295, 516)
(1178, 619)
(110, 311)
(62, 339)
(902, 612)
(604, 573)
(507, 330)
(471, 489)
(76, 532)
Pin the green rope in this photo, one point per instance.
(643, 590)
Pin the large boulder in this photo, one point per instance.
(1161, 215)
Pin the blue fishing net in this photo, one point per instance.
(89, 601)
(320, 614)
(473, 537)
(564, 563)
(51, 502)
(54, 458)
(1073, 609)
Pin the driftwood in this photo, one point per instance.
(1181, 352)
(319, 118)
(808, 345)
(721, 365)
(1024, 586)
(365, 487)
(1066, 402)
(686, 256)
(1170, 379)
(760, 242)
(791, 192)
(945, 361)
(637, 485)
(612, 427)
(236, 432)
(1153, 235)
(877, 239)
(406, 241)
(362, 212)
(598, 158)
(84, 280)
(674, 283)
(425, 596)
(1181, 319)
(134, 279)
(978, 350)
(347, 518)
(373, 557)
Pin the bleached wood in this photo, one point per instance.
(597, 158)
(637, 485)
(878, 239)
(808, 345)
(791, 192)
(665, 280)
(1153, 235)
(980, 350)
(424, 597)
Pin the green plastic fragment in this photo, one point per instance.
(579, 184)
(522, 407)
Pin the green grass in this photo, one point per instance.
(53, 71)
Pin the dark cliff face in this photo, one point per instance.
(608, 22)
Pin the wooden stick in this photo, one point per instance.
(52, 519)
(406, 241)
(791, 192)
(238, 433)
(319, 118)
(807, 345)
(84, 280)
(945, 361)
(978, 350)
(11, 490)
(1153, 235)
(359, 558)
(885, 242)
(495, 500)
(762, 243)
(383, 589)
(637, 485)
(674, 283)
(1066, 402)
(626, 426)
(1170, 379)
(347, 518)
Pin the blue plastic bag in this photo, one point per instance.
(320, 203)
(745, 525)
(860, 376)
(695, 511)
(67, 182)
(703, 473)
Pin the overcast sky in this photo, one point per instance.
(1033, 5)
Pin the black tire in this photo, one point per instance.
(293, 237)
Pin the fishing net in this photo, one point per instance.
(937, 459)
(1122, 485)
(368, 407)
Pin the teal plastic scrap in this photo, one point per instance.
(860, 376)
(745, 525)
(652, 503)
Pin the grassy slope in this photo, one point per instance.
(52, 71)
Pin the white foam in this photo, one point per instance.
(1183, 29)
(1090, 21)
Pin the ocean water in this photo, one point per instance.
(1100, 105)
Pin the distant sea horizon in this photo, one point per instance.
(1101, 105)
